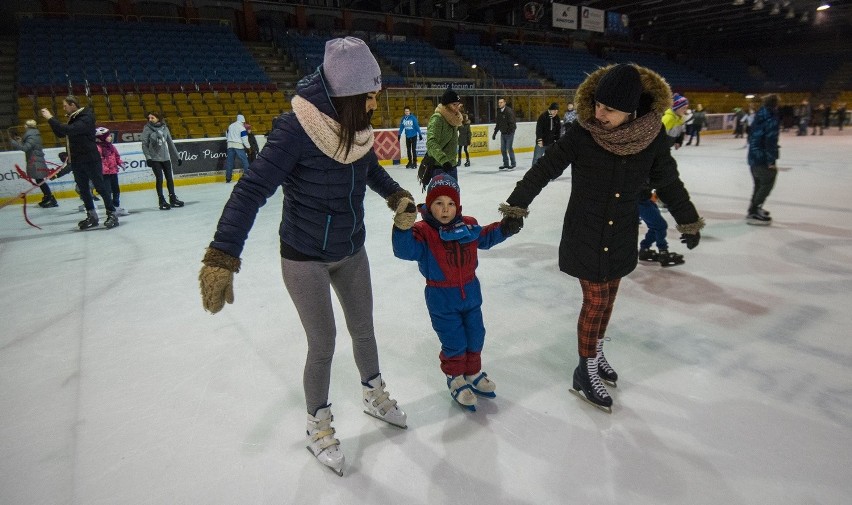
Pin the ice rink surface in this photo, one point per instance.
(735, 384)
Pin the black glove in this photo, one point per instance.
(690, 239)
(511, 225)
(180, 162)
(494, 137)
(447, 167)
(398, 136)
(63, 156)
(150, 163)
(420, 137)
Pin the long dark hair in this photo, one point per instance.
(353, 115)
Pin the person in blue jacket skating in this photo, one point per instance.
(411, 127)
(444, 244)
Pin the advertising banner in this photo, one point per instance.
(478, 139)
(592, 19)
(565, 16)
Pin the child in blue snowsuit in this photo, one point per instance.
(409, 125)
(444, 244)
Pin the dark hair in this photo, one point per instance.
(354, 117)
(154, 113)
(771, 101)
(71, 99)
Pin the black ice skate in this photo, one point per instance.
(90, 222)
(111, 220)
(164, 205)
(649, 255)
(174, 202)
(670, 259)
(588, 386)
(605, 371)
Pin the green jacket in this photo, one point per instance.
(442, 139)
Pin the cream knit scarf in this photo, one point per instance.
(630, 138)
(455, 119)
(325, 132)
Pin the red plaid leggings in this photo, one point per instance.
(598, 299)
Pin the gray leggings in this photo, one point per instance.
(308, 282)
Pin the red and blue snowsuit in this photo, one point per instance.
(453, 295)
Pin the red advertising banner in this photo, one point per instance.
(386, 145)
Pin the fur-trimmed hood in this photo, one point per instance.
(656, 94)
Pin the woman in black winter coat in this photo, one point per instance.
(617, 145)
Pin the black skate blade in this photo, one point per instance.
(672, 264)
(580, 394)
(385, 420)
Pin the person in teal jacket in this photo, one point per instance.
(409, 125)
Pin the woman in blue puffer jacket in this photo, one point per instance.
(322, 156)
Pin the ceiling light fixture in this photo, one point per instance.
(790, 14)
(758, 4)
(775, 10)
(739, 2)
(823, 7)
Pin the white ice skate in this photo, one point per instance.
(321, 441)
(378, 403)
(462, 392)
(481, 385)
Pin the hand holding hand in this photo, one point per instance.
(690, 239)
(406, 214)
(511, 225)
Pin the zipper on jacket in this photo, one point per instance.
(327, 228)
(352, 208)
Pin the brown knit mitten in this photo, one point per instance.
(406, 214)
(217, 279)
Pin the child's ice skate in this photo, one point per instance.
(462, 392)
(670, 259)
(377, 403)
(321, 441)
(648, 255)
(481, 385)
(588, 386)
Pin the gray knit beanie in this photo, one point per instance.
(350, 68)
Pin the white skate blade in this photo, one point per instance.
(672, 264)
(403, 426)
(756, 222)
(338, 471)
(608, 382)
(580, 394)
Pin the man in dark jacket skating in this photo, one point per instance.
(83, 158)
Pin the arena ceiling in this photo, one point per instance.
(701, 24)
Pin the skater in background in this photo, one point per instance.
(409, 126)
(30, 142)
(699, 121)
(570, 117)
(464, 140)
(111, 161)
(159, 149)
(616, 147)
(83, 158)
(674, 120)
(506, 125)
(444, 244)
(762, 158)
(547, 130)
(252, 140)
(321, 155)
(237, 139)
(442, 139)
